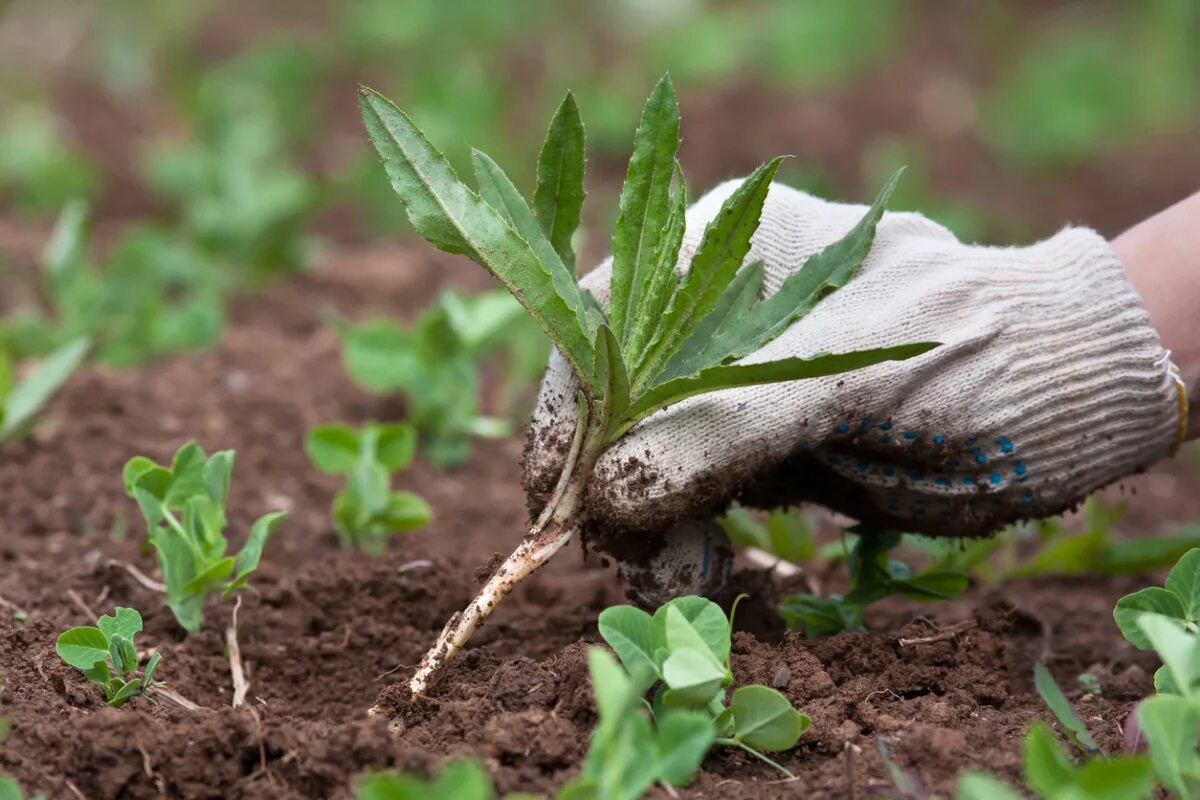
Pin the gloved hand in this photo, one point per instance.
(1049, 383)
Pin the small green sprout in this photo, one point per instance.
(786, 534)
(367, 511)
(1178, 601)
(435, 364)
(873, 576)
(107, 656)
(21, 400)
(683, 650)
(184, 508)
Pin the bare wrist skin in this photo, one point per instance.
(1161, 255)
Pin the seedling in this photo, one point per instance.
(184, 507)
(367, 511)
(463, 779)
(21, 400)
(661, 339)
(683, 650)
(1052, 774)
(107, 656)
(873, 576)
(435, 365)
(1165, 620)
(786, 534)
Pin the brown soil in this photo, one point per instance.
(330, 630)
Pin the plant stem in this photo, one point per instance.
(549, 533)
(756, 754)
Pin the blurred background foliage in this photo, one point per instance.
(227, 131)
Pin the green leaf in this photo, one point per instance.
(500, 193)
(717, 260)
(10, 789)
(644, 206)
(819, 616)
(822, 273)
(693, 678)
(614, 691)
(124, 656)
(684, 737)
(1170, 725)
(151, 667)
(978, 786)
(465, 778)
(1058, 703)
(766, 720)
(453, 218)
(67, 246)
(611, 375)
(632, 633)
(194, 473)
(1184, 582)
(127, 691)
(211, 577)
(395, 445)
(126, 622)
(932, 586)
(28, 396)
(654, 298)
(1138, 556)
(558, 197)
(1179, 651)
(82, 647)
(405, 511)
(738, 375)
(332, 448)
(694, 621)
(1047, 768)
(1119, 778)
(1153, 600)
(251, 552)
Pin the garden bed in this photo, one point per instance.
(331, 633)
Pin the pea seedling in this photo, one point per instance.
(106, 655)
(436, 363)
(367, 511)
(661, 339)
(683, 649)
(184, 507)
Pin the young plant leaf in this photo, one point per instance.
(1170, 726)
(742, 333)
(453, 218)
(126, 622)
(1058, 703)
(693, 678)
(558, 196)
(30, 394)
(733, 376)
(655, 296)
(127, 691)
(1179, 651)
(251, 552)
(151, 667)
(766, 720)
(645, 204)
(82, 647)
(1184, 582)
(395, 445)
(1151, 600)
(696, 622)
(979, 786)
(332, 448)
(722, 249)
(684, 737)
(632, 633)
(1047, 768)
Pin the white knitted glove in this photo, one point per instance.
(1049, 383)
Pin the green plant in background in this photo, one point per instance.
(37, 169)
(367, 512)
(662, 340)
(436, 365)
(684, 650)
(21, 398)
(873, 576)
(808, 42)
(1085, 90)
(184, 508)
(241, 195)
(786, 533)
(106, 655)
(154, 295)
